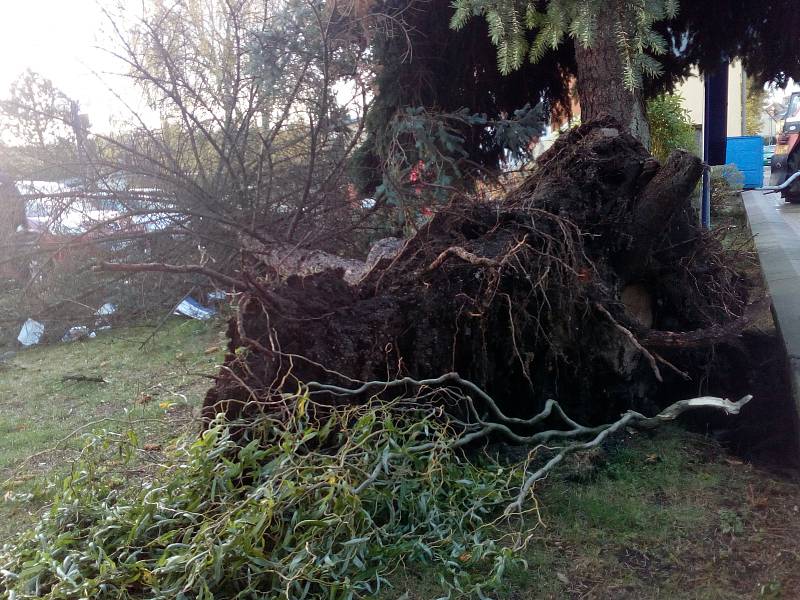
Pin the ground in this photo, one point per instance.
(45, 408)
(667, 515)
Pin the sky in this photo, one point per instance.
(59, 39)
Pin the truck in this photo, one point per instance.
(786, 160)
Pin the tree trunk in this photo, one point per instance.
(666, 194)
(600, 75)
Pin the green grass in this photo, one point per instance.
(667, 515)
(625, 528)
(633, 493)
(156, 391)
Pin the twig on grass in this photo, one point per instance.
(83, 378)
(68, 437)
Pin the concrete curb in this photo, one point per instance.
(778, 245)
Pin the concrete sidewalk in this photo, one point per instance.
(776, 227)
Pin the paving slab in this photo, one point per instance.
(776, 227)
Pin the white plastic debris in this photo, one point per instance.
(106, 310)
(189, 307)
(76, 333)
(217, 295)
(31, 333)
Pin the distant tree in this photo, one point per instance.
(259, 106)
(37, 113)
(754, 106)
(38, 137)
(254, 134)
(253, 109)
(670, 126)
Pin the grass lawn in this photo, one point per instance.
(664, 515)
(669, 515)
(46, 403)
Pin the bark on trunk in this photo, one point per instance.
(600, 76)
(666, 194)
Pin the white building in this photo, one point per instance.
(692, 90)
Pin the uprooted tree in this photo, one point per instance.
(279, 111)
(564, 287)
(586, 284)
(321, 490)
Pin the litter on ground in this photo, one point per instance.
(31, 333)
(189, 307)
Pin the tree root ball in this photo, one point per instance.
(548, 292)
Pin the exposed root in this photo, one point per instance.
(469, 257)
(522, 297)
(708, 336)
(682, 374)
(632, 338)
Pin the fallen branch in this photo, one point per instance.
(630, 418)
(165, 268)
(673, 411)
(477, 427)
(709, 336)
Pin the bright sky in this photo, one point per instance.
(59, 39)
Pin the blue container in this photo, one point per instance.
(747, 153)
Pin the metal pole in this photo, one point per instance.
(715, 121)
(705, 206)
(705, 212)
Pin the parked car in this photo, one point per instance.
(768, 152)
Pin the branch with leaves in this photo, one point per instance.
(510, 22)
